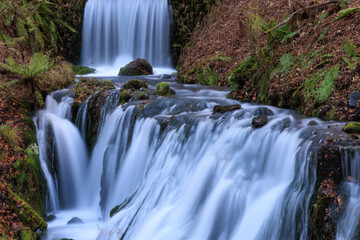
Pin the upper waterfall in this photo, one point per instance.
(118, 31)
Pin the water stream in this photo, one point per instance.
(116, 32)
(200, 176)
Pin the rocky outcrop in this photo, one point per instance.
(136, 68)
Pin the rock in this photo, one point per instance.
(166, 76)
(125, 96)
(135, 84)
(354, 97)
(223, 109)
(75, 220)
(353, 127)
(83, 70)
(141, 96)
(163, 89)
(50, 218)
(259, 121)
(137, 67)
(263, 111)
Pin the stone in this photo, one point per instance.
(125, 96)
(163, 89)
(259, 121)
(353, 127)
(228, 108)
(135, 84)
(141, 96)
(354, 98)
(75, 220)
(136, 68)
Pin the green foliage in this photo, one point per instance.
(39, 63)
(319, 86)
(285, 64)
(36, 24)
(244, 72)
(322, 17)
(208, 76)
(4, 86)
(10, 134)
(83, 70)
(347, 13)
(221, 57)
(278, 35)
(352, 54)
(39, 99)
(323, 33)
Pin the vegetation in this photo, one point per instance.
(163, 89)
(83, 70)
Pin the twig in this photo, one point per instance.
(301, 11)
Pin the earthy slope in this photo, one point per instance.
(289, 65)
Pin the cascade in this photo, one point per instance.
(348, 223)
(116, 32)
(200, 176)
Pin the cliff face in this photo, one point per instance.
(310, 63)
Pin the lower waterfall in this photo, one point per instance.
(176, 170)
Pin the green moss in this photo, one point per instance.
(353, 127)
(220, 57)
(347, 13)
(27, 235)
(141, 96)
(135, 84)
(10, 134)
(318, 214)
(244, 72)
(163, 89)
(83, 70)
(125, 96)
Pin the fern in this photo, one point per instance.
(39, 63)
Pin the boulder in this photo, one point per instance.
(141, 96)
(223, 109)
(75, 220)
(163, 89)
(259, 121)
(136, 68)
(353, 127)
(135, 84)
(124, 97)
(354, 98)
(83, 70)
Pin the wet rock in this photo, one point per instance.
(50, 218)
(354, 98)
(263, 111)
(141, 96)
(223, 109)
(166, 76)
(125, 96)
(259, 121)
(163, 89)
(83, 70)
(135, 84)
(353, 127)
(75, 220)
(136, 68)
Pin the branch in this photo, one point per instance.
(301, 11)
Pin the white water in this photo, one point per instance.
(199, 178)
(116, 32)
(349, 221)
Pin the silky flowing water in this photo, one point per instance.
(174, 169)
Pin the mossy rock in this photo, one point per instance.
(136, 68)
(135, 84)
(353, 127)
(27, 235)
(223, 109)
(163, 89)
(141, 96)
(83, 70)
(125, 96)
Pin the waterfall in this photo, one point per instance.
(349, 221)
(118, 31)
(64, 170)
(194, 176)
